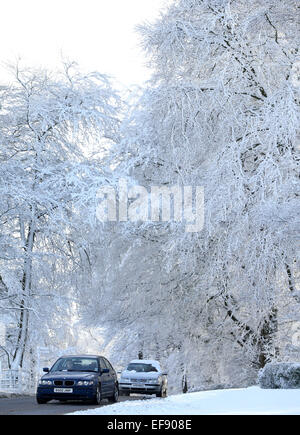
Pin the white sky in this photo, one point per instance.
(98, 34)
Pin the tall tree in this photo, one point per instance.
(50, 123)
(221, 111)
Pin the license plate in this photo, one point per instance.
(63, 390)
(136, 385)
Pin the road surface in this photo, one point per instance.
(28, 406)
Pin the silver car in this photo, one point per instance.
(143, 377)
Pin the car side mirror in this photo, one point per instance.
(104, 370)
(46, 370)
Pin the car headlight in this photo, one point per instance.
(154, 380)
(44, 382)
(85, 383)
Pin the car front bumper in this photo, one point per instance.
(140, 389)
(78, 393)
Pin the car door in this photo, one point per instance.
(112, 376)
(105, 379)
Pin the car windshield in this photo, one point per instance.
(142, 368)
(75, 364)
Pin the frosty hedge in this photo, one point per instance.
(280, 375)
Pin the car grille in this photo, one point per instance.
(141, 381)
(64, 383)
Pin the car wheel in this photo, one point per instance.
(97, 398)
(115, 396)
(163, 392)
(41, 401)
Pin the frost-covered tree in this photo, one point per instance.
(221, 111)
(55, 131)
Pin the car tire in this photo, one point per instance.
(98, 397)
(115, 397)
(41, 401)
(163, 393)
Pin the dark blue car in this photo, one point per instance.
(79, 377)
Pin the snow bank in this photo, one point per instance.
(237, 401)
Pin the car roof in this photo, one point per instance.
(153, 362)
(81, 356)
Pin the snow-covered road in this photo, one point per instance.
(251, 400)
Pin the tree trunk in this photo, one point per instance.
(20, 347)
(184, 383)
(268, 330)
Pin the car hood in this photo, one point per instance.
(70, 375)
(139, 375)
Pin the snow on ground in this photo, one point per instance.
(251, 400)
